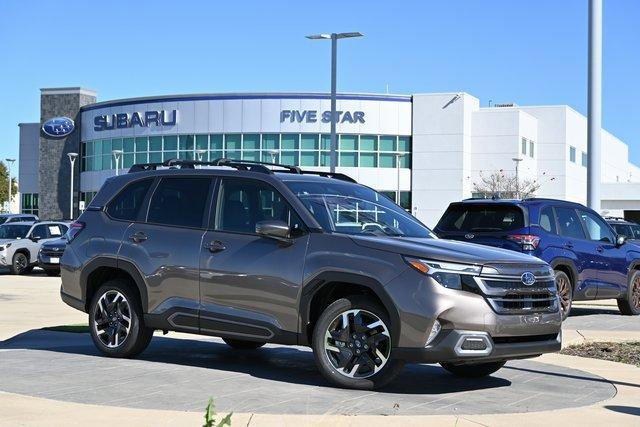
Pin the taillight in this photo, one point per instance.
(529, 242)
(74, 229)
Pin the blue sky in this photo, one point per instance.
(530, 52)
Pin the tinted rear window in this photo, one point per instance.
(482, 218)
(127, 203)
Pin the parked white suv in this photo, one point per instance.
(21, 241)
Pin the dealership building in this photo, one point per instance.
(427, 149)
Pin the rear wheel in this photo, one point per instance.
(565, 292)
(352, 344)
(630, 305)
(20, 263)
(115, 321)
(242, 344)
(475, 370)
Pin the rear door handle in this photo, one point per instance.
(138, 237)
(215, 246)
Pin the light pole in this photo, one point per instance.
(72, 160)
(273, 154)
(594, 105)
(116, 158)
(398, 157)
(517, 160)
(9, 164)
(334, 54)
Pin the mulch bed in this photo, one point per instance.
(624, 352)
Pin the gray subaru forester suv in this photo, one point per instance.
(261, 253)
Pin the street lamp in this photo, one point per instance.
(398, 157)
(199, 153)
(334, 53)
(9, 163)
(517, 160)
(273, 154)
(116, 158)
(72, 160)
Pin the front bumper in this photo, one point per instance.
(447, 347)
(49, 262)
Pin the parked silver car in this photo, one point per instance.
(21, 241)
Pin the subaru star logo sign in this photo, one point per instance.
(58, 127)
(528, 278)
(469, 236)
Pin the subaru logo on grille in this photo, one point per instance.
(469, 236)
(528, 278)
(58, 127)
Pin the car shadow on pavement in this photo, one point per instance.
(272, 362)
(589, 311)
(631, 410)
(577, 377)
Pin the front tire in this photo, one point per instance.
(476, 370)
(352, 344)
(630, 305)
(115, 321)
(242, 344)
(565, 293)
(20, 263)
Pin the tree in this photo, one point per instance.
(502, 185)
(4, 185)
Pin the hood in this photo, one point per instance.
(5, 241)
(58, 243)
(446, 250)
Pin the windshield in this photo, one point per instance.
(355, 209)
(3, 219)
(10, 231)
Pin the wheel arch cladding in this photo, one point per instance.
(328, 287)
(101, 270)
(566, 266)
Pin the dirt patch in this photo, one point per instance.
(624, 352)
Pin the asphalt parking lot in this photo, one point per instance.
(180, 372)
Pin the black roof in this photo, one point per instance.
(519, 202)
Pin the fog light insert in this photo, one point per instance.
(474, 344)
(435, 330)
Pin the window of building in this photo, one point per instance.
(179, 202)
(405, 198)
(29, 203)
(572, 154)
(531, 149)
(585, 159)
(524, 146)
(126, 205)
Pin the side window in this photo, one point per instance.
(40, 231)
(548, 220)
(180, 202)
(126, 205)
(569, 223)
(244, 203)
(56, 230)
(597, 229)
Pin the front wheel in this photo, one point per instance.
(115, 321)
(630, 304)
(565, 292)
(20, 263)
(352, 344)
(475, 370)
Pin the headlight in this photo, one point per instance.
(5, 246)
(448, 274)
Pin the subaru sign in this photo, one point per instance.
(312, 116)
(528, 278)
(58, 127)
(126, 120)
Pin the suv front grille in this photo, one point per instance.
(52, 252)
(511, 296)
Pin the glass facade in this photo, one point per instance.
(30, 203)
(306, 149)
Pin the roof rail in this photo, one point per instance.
(245, 165)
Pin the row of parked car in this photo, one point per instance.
(25, 242)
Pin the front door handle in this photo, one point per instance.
(138, 237)
(600, 249)
(215, 246)
(568, 245)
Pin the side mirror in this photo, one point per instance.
(620, 240)
(273, 229)
(35, 238)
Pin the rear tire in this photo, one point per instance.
(565, 293)
(630, 305)
(357, 354)
(116, 322)
(242, 344)
(476, 370)
(20, 264)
